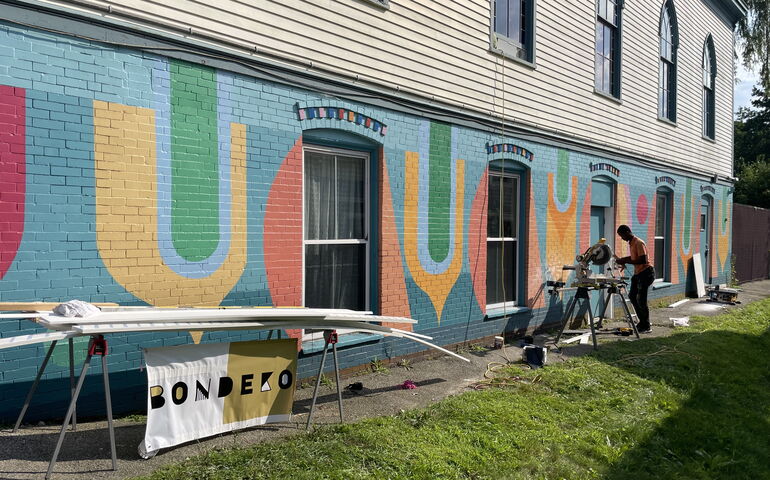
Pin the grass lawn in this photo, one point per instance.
(695, 405)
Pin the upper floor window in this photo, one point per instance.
(667, 72)
(607, 64)
(513, 28)
(709, 76)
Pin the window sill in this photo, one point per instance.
(708, 139)
(384, 4)
(345, 340)
(500, 46)
(667, 121)
(505, 312)
(608, 96)
(659, 285)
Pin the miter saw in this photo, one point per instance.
(597, 254)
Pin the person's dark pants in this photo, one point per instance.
(640, 283)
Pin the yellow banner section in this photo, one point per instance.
(263, 375)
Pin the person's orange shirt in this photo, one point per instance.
(638, 249)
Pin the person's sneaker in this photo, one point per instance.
(644, 330)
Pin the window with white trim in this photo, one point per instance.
(336, 228)
(662, 236)
(502, 239)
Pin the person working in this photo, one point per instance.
(643, 276)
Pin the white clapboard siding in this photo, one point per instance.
(440, 49)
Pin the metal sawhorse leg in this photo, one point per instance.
(330, 337)
(97, 346)
(580, 295)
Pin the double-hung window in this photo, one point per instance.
(336, 229)
(667, 70)
(513, 28)
(502, 239)
(709, 76)
(607, 61)
(662, 235)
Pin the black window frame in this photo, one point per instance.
(612, 24)
(709, 74)
(667, 53)
(521, 48)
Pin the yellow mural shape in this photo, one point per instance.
(436, 286)
(127, 211)
(722, 228)
(623, 217)
(561, 231)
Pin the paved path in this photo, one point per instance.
(85, 453)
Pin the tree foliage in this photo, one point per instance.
(752, 151)
(754, 35)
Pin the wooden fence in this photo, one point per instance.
(751, 242)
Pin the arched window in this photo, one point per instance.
(709, 77)
(667, 73)
(608, 47)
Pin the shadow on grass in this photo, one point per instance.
(723, 429)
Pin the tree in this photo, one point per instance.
(752, 151)
(754, 35)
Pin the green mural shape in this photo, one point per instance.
(194, 159)
(61, 353)
(562, 177)
(440, 173)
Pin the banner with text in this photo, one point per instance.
(195, 391)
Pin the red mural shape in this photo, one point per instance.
(12, 172)
(283, 234)
(477, 242)
(535, 283)
(394, 300)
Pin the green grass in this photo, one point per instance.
(695, 405)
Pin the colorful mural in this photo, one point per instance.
(171, 197)
(477, 241)
(172, 183)
(623, 216)
(394, 300)
(722, 229)
(561, 218)
(283, 232)
(433, 219)
(13, 164)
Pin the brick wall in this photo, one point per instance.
(133, 178)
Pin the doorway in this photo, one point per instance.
(706, 215)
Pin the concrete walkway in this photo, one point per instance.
(85, 453)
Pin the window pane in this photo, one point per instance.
(501, 272)
(334, 276)
(661, 216)
(501, 17)
(350, 197)
(607, 75)
(319, 196)
(514, 19)
(509, 206)
(660, 258)
(493, 210)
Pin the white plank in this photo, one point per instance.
(18, 341)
